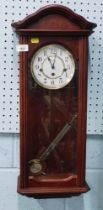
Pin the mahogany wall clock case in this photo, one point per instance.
(53, 95)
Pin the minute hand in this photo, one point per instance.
(57, 139)
(53, 62)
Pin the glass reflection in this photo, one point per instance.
(50, 111)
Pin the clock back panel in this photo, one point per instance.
(48, 112)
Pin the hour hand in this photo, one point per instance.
(49, 61)
(52, 64)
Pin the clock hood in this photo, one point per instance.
(44, 21)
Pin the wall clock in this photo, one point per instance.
(53, 89)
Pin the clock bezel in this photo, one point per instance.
(72, 60)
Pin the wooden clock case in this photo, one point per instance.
(52, 24)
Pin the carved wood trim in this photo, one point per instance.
(52, 10)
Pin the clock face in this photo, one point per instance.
(52, 66)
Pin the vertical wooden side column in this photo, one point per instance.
(23, 115)
(83, 70)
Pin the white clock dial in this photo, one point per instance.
(52, 66)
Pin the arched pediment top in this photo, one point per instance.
(54, 17)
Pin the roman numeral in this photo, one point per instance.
(60, 80)
(52, 82)
(39, 59)
(45, 80)
(66, 74)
